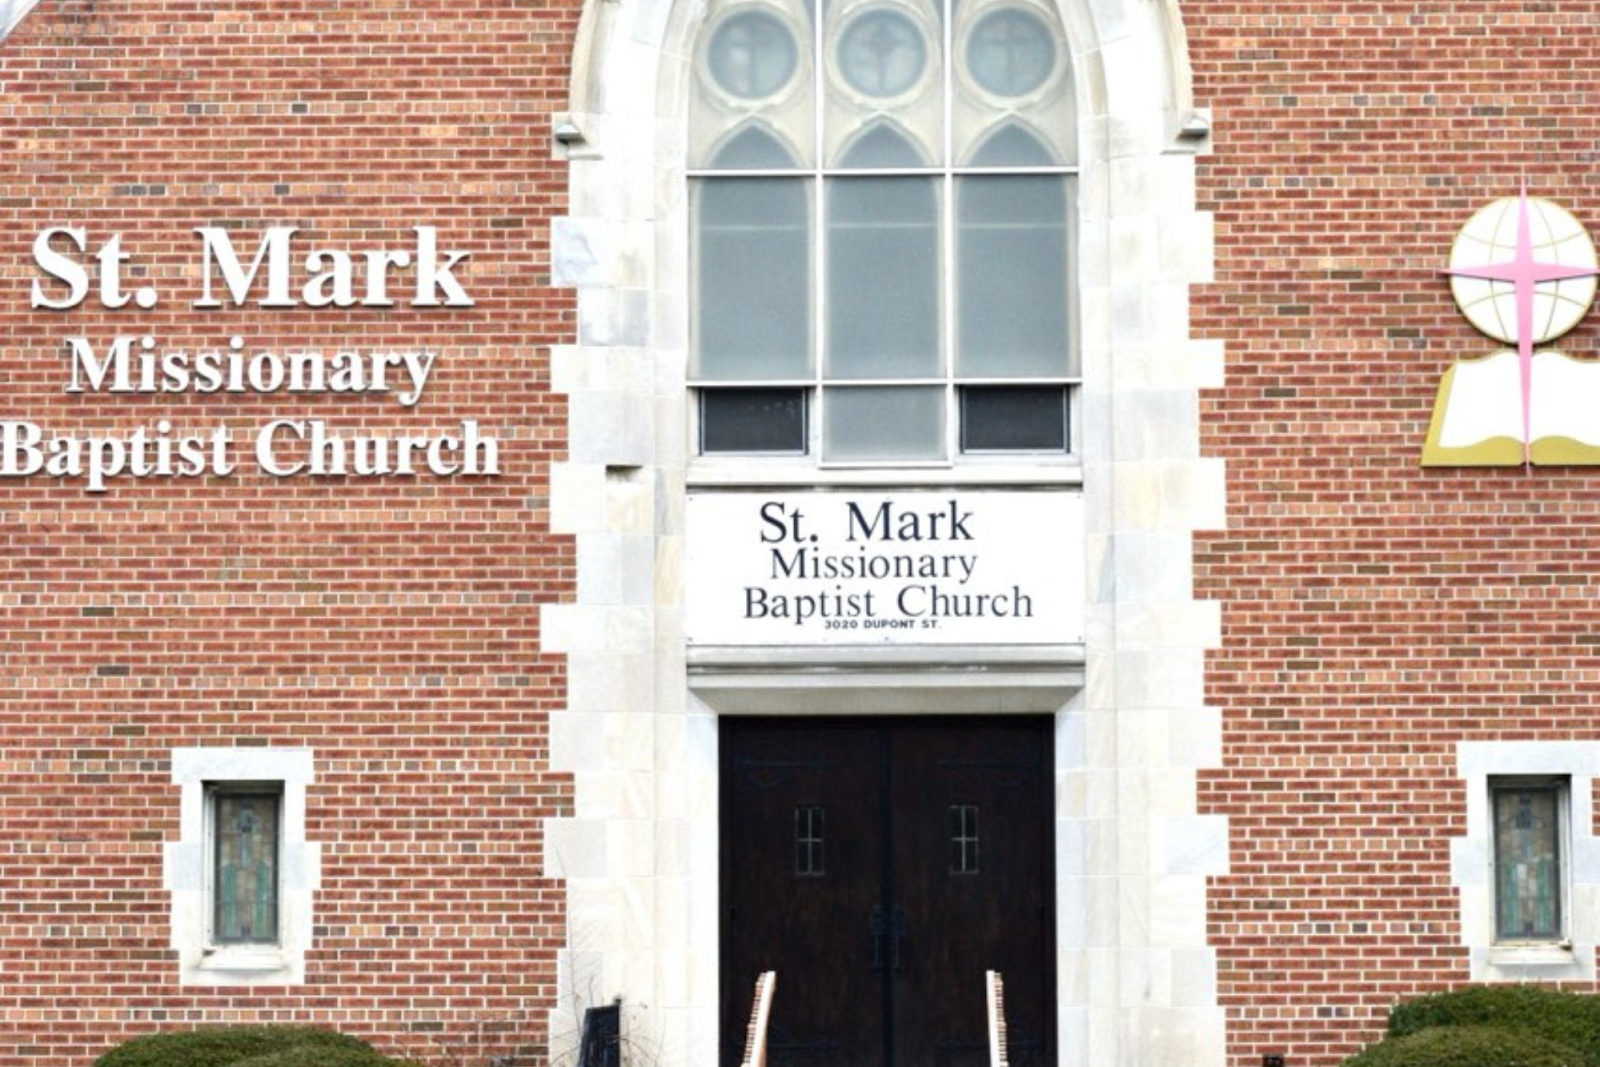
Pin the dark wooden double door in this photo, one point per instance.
(880, 867)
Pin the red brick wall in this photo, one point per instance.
(1375, 613)
(389, 624)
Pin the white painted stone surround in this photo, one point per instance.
(186, 868)
(1470, 864)
(12, 12)
(1136, 980)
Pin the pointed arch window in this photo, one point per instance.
(882, 204)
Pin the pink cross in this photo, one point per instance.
(1524, 272)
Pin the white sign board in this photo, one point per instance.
(931, 567)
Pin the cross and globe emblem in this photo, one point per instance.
(1523, 271)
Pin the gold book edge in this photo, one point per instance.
(1553, 451)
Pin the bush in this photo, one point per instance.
(319, 1056)
(1467, 1046)
(228, 1046)
(1572, 1019)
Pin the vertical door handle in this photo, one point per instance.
(878, 929)
(897, 934)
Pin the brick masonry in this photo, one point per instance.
(1375, 614)
(388, 624)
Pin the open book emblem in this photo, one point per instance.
(1524, 272)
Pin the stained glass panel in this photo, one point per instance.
(246, 875)
(1010, 52)
(1527, 863)
(753, 54)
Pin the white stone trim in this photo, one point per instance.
(186, 873)
(1471, 860)
(1136, 980)
(11, 13)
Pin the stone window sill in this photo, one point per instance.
(1553, 961)
(1552, 952)
(251, 961)
(255, 965)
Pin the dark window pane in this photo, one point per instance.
(810, 858)
(246, 873)
(963, 839)
(753, 420)
(1527, 863)
(1005, 418)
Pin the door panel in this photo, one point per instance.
(880, 867)
(801, 909)
(973, 872)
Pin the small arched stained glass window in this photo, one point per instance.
(1010, 52)
(753, 55)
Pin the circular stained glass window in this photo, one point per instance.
(753, 55)
(882, 53)
(1010, 52)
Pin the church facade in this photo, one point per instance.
(534, 506)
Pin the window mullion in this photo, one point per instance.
(819, 202)
(947, 340)
(947, 68)
(952, 440)
(819, 303)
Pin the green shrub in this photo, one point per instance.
(227, 1046)
(320, 1056)
(1572, 1019)
(1467, 1046)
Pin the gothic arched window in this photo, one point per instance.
(882, 212)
